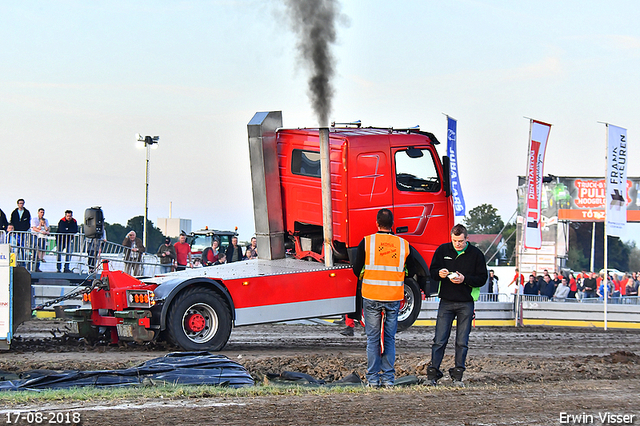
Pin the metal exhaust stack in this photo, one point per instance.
(327, 208)
(265, 179)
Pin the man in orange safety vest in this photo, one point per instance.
(380, 260)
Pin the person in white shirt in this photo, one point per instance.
(40, 232)
(562, 291)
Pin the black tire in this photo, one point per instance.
(199, 320)
(411, 305)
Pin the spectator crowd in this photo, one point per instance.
(29, 237)
(584, 285)
(23, 230)
(177, 256)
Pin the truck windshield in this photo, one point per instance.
(418, 174)
(200, 242)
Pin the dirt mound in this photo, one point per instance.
(622, 357)
(480, 370)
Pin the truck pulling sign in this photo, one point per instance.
(371, 168)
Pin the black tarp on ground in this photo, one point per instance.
(183, 368)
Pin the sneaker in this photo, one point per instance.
(347, 331)
(373, 385)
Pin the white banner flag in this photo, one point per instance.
(616, 199)
(535, 172)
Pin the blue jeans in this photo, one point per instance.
(65, 245)
(447, 311)
(380, 369)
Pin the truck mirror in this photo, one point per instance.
(446, 175)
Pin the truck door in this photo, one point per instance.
(420, 205)
(371, 184)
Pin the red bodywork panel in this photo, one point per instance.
(363, 180)
(114, 299)
(292, 288)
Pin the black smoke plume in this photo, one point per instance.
(314, 21)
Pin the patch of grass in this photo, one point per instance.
(168, 391)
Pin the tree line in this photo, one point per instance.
(116, 233)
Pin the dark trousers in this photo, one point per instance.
(447, 312)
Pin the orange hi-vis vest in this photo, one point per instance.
(383, 279)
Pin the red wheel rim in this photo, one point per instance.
(195, 323)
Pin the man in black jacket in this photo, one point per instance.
(531, 287)
(67, 226)
(461, 270)
(234, 251)
(589, 285)
(21, 221)
(20, 217)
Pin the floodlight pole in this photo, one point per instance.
(146, 197)
(148, 141)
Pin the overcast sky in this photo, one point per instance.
(78, 80)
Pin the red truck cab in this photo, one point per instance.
(371, 168)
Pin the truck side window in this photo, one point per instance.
(305, 163)
(416, 173)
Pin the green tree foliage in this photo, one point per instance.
(634, 257)
(580, 241)
(116, 233)
(577, 261)
(483, 219)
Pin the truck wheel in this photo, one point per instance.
(410, 305)
(199, 320)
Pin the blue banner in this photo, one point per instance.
(456, 189)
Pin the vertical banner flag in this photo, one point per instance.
(456, 189)
(539, 134)
(616, 180)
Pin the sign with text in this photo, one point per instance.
(452, 152)
(616, 181)
(581, 199)
(5, 292)
(535, 172)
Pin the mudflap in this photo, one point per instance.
(80, 324)
(135, 326)
(21, 296)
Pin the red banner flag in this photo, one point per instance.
(539, 134)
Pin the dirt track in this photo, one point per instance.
(525, 376)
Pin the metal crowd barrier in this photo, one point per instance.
(620, 300)
(77, 252)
